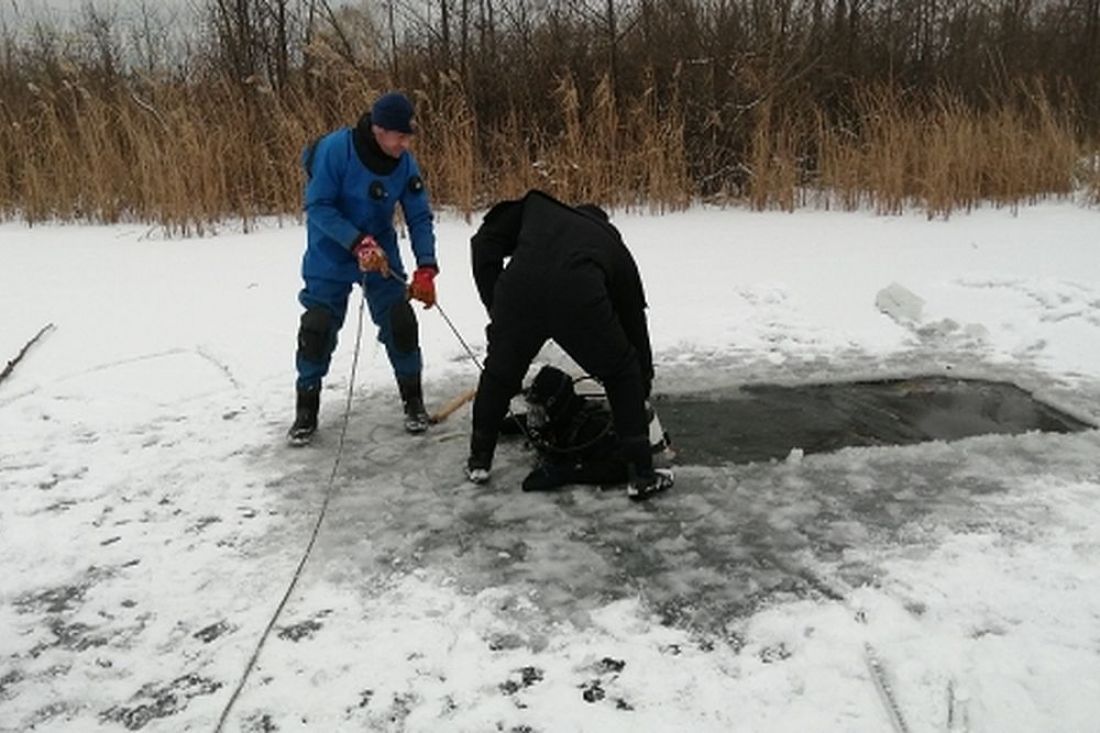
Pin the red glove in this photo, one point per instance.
(423, 285)
(370, 255)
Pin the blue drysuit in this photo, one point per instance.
(344, 200)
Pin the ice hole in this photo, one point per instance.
(764, 422)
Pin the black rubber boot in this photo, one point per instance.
(412, 395)
(305, 416)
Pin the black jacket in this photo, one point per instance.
(539, 234)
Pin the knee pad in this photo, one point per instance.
(406, 333)
(313, 334)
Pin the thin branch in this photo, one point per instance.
(22, 352)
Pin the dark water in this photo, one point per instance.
(762, 422)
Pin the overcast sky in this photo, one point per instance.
(17, 12)
(20, 13)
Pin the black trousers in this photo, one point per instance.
(572, 307)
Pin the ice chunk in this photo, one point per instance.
(899, 303)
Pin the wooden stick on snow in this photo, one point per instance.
(452, 405)
(22, 352)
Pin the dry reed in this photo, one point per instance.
(188, 155)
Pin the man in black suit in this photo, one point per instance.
(568, 277)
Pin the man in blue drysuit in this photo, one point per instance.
(356, 176)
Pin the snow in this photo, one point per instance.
(152, 518)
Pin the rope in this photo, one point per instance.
(885, 691)
(316, 525)
(528, 435)
(461, 340)
(836, 590)
(579, 421)
(477, 363)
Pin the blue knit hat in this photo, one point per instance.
(393, 111)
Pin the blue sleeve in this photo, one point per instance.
(418, 217)
(324, 187)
